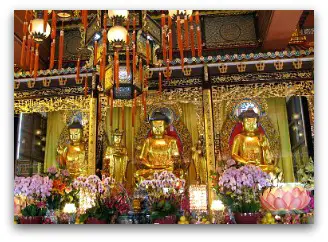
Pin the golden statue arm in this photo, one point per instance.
(266, 150)
(175, 149)
(143, 159)
(61, 154)
(175, 154)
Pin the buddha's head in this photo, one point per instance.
(159, 122)
(250, 120)
(117, 137)
(75, 132)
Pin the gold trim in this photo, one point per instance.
(260, 66)
(310, 100)
(241, 67)
(262, 90)
(279, 65)
(209, 140)
(250, 77)
(223, 68)
(51, 104)
(297, 64)
(186, 71)
(46, 82)
(92, 136)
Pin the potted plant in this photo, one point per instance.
(98, 214)
(34, 191)
(165, 209)
(119, 202)
(164, 194)
(61, 192)
(33, 214)
(240, 189)
(95, 208)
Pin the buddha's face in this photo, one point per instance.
(75, 135)
(117, 139)
(250, 124)
(158, 127)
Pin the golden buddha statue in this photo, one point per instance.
(73, 156)
(116, 159)
(251, 146)
(159, 152)
(199, 161)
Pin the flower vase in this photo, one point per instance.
(95, 221)
(52, 215)
(170, 219)
(124, 219)
(246, 218)
(31, 220)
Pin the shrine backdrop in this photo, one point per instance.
(277, 113)
(55, 125)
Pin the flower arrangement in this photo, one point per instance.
(102, 198)
(310, 207)
(92, 188)
(35, 187)
(33, 210)
(62, 191)
(305, 174)
(240, 188)
(118, 200)
(164, 194)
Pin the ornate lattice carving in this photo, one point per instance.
(263, 90)
(51, 104)
(269, 76)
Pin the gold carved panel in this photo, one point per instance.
(51, 104)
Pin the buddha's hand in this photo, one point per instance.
(251, 162)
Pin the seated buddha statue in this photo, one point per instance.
(251, 146)
(73, 155)
(116, 159)
(159, 151)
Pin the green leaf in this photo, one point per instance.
(83, 217)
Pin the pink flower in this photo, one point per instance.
(41, 204)
(68, 189)
(52, 170)
(285, 198)
(65, 173)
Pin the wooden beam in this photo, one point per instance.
(281, 27)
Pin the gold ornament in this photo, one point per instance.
(116, 159)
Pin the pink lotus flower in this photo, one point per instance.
(285, 198)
